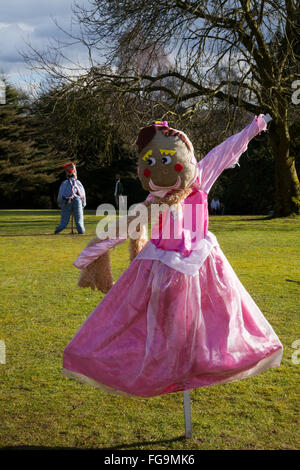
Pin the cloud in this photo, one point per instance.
(32, 21)
(29, 11)
(10, 38)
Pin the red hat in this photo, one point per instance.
(70, 168)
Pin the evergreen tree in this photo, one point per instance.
(27, 163)
(85, 126)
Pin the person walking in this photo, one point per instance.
(215, 206)
(71, 197)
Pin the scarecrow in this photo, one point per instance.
(71, 198)
(178, 318)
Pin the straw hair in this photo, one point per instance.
(98, 274)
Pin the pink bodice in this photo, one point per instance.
(183, 226)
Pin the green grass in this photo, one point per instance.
(41, 308)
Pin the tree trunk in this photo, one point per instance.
(287, 187)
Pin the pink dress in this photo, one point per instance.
(178, 317)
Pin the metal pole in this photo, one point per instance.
(187, 414)
(72, 220)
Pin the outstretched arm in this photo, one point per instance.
(94, 260)
(227, 154)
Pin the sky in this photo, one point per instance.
(32, 21)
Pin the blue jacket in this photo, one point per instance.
(65, 191)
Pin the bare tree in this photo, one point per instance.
(244, 53)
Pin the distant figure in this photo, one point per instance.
(222, 208)
(118, 190)
(215, 206)
(71, 196)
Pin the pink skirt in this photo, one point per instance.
(159, 331)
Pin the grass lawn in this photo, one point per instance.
(41, 308)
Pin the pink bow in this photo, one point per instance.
(161, 123)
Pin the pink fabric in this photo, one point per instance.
(186, 264)
(182, 228)
(90, 253)
(73, 186)
(227, 154)
(160, 331)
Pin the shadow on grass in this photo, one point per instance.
(50, 234)
(267, 217)
(132, 446)
(293, 280)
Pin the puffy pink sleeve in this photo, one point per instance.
(227, 154)
(91, 253)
